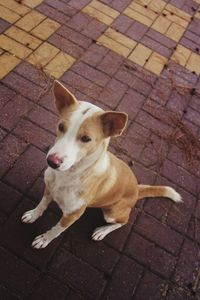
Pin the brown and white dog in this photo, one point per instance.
(83, 173)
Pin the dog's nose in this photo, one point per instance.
(54, 161)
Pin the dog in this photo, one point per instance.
(82, 173)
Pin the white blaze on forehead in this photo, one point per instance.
(67, 147)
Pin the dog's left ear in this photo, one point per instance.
(63, 97)
(113, 123)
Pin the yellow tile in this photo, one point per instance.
(178, 12)
(175, 32)
(97, 15)
(143, 2)
(16, 7)
(197, 15)
(155, 63)
(175, 19)
(161, 24)
(120, 38)
(7, 63)
(30, 20)
(143, 11)
(193, 63)
(113, 45)
(14, 47)
(59, 64)
(8, 15)
(23, 37)
(42, 55)
(105, 9)
(45, 29)
(181, 55)
(140, 54)
(157, 5)
(137, 16)
(32, 3)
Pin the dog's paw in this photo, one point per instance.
(40, 242)
(29, 216)
(99, 233)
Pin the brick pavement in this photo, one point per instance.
(141, 57)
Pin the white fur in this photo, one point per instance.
(102, 165)
(67, 147)
(172, 194)
(100, 232)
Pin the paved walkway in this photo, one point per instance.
(141, 57)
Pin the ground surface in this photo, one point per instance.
(138, 56)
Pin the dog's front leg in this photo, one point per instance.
(66, 221)
(32, 215)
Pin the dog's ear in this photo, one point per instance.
(113, 123)
(63, 97)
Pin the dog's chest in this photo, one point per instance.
(64, 189)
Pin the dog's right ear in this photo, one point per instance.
(63, 97)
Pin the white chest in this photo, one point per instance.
(64, 189)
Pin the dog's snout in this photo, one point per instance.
(54, 161)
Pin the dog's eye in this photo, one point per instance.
(61, 127)
(85, 139)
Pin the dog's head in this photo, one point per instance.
(81, 129)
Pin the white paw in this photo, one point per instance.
(99, 233)
(30, 216)
(40, 241)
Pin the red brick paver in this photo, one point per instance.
(156, 255)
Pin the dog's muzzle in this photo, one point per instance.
(54, 161)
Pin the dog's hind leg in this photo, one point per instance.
(32, 215)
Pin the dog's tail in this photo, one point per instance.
(158, 191)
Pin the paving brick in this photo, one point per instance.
(90, 73)
(23, 86)
(34, 74)
(33, 134)
(53, 13)
(94, 29)
(43, 118)
(78, 5)
(136, 31)
(77, 273)
(194, 229)
(124, 280)
(138, 17)
(79, 22)
(143, 175)
(23, 37)
(120, 5)
(10, 150)
(6, 94)
(43, 55)
(16, 274)
(47, 101)
(14, 47)
(161, 91)
(178, 102)
(3, 25)
(18, 236)
(61, 6)
(160, 38)
(2, 134)
(110, 63)
(32, 3)
(180, 176)
(165, 237)
(9, 198)
(194, 103)
(45, 29)
(8, 15)
(16, 7)
(188, 264)
(189, 44)
(8, 63)
(131, 103)
(151, 287)
(66, 45)
(75, 296)
(177, 293)
(94, 55)
(49, 288)
(37, 190)
(122, 23)
(157, 207)
(74, 36)
(26, 170)
(156, 63)
(192, 36)
(13, 111)
(82, 84)
(194, 26)
(154, 45)
(140, 54)
(6, 294)
(113, 93)
(30, 20)
(151, 255)
(79, 243)
(193, 116)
